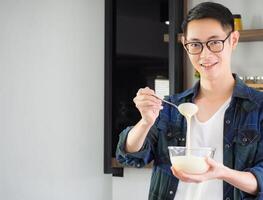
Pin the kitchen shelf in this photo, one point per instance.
(258, 86)
(249, 35)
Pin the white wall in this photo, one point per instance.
(247, 60)
(133, 186)
(51, 100)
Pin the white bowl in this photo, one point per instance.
(192, 160)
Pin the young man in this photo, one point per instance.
(230, 118)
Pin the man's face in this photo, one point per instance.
(210, 65)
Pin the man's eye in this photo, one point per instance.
(214, 42)
(194, 45)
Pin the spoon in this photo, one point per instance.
(168, 102)
(186, 109)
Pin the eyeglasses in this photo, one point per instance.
(214, 46)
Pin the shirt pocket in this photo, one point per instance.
(246, 142)
(172, 136)
(175, 136)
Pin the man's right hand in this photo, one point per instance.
(148, 105)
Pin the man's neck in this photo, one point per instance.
(221, 88)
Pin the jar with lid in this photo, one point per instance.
(241, 78)
(237, 22)
(250, 80)
(259, 79)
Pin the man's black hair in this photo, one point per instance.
(210, 10)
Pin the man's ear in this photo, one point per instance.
(183, 40)
(235, 39)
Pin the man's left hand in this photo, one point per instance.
(215, 171)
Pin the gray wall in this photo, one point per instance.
(51, 100)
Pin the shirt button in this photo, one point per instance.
(244, 139)
(171, 192)
(227, 146)
(228, 121)
(228, 198)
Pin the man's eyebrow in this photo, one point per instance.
(198, 40)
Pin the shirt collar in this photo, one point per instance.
(241, 90)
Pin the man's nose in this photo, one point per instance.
(205, 52)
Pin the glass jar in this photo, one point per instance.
(237, 22)
(260, 80)
(241, 78)
(257, 79)
(250, 80)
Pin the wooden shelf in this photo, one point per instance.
(245, 36)
(255, 85)
(258, 86)
(251, 35)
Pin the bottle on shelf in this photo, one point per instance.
(238, 26)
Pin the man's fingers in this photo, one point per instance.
(153, 108)
(189, 178)
(210, 162)
(146, 103)
(146, 91)
(148, 97)
(180, 175)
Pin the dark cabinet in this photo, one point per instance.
(135, 54)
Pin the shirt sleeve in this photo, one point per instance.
(140, 158)
(257, 171)
(146, 154)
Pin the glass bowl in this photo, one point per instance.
(191, 161)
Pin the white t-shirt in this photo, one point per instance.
(206, 134)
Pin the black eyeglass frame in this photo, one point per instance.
(206, 43)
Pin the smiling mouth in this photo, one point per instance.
(208, 65)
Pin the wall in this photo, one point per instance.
(51, 100)
(134, 185)
(247, 60)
